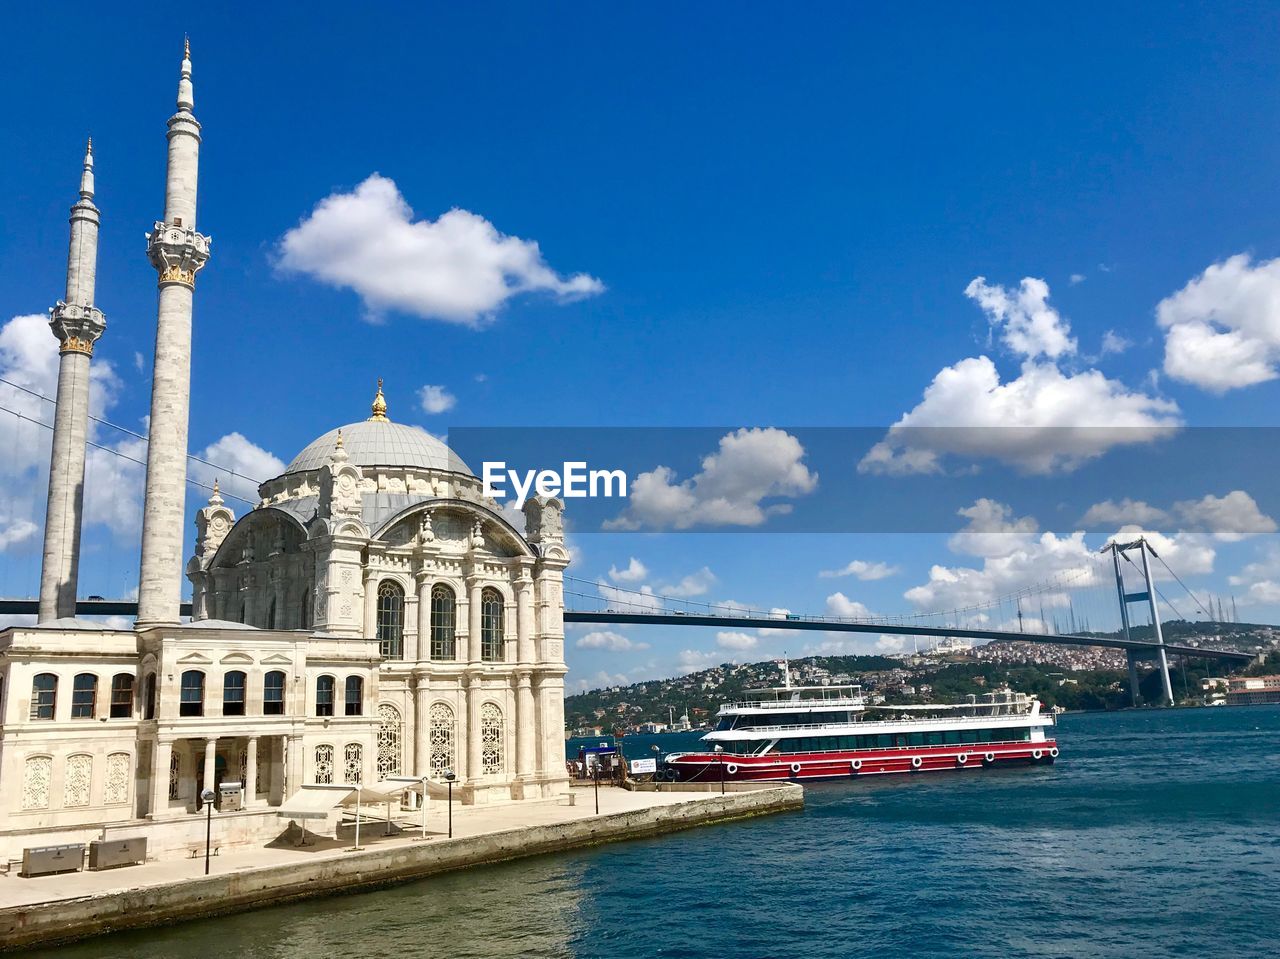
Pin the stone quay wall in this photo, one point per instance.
(64, 920)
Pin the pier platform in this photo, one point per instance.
(70, 906)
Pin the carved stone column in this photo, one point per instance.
(524, 618)
(526, 746)
(424, 616)
(161, 757)
(210, 764)
(473, 618)
(475, 693)
(251, 772)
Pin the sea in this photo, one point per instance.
(1156, 833)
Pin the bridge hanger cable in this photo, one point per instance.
(124, 429)
(22, 417)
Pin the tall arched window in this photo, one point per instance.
(271, 614)
(324, 765)
(324, 696)
(273, 693)
(443, 615)
(490, 624)
(233, 686)
(490, 739)
(353, 764)
(149, 697)
(354, 698)
(122, 696)
(191, 696)
(391, 619)
(304, 614)
(44, 696)
(440, 733)
(84, 696)
(388, 741)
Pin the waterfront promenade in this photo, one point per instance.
(59, 908)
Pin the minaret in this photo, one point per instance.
(77, 324)
(177, 252)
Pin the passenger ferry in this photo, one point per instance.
(829, 732)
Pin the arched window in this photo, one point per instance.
(491, 624)
(233, 684)
(44, 696)
(440, 739)
(273, 693)
(271, 614)
(304, 614)
(84, 696)
(353, 764)
(191, 695)
(324, 696)
(490, 739)
(389, 726)
(324, 765)
(391, 619)
(149, 697)
(354, 699)
(122, 695)
(443, 607)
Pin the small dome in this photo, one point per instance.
(380, 442)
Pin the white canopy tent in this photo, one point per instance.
(323, 801)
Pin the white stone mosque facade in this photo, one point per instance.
(373, 616)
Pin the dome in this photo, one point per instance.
(380, 442)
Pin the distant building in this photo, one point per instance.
(1253, 691)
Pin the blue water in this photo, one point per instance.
(1157, 833)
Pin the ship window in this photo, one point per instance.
(933, 739)
(917, 739)
(953, 736)
(726, 722)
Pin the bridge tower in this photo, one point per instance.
(177, 252)
(77, 324)
(1148, 596)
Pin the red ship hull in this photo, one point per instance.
(850, 764)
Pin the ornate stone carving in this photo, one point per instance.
(36, 776)
(77, 327)
(340, 485)
(426, 532)
(77, 780)
(115, 789)
(213, 523)
(543, 522)
(177, 253)
(324, 765)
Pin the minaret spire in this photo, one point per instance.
(177, 252)
(77, 324)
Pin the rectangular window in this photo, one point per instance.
(324, 696)
(191, 697)
(84, 695)
(122, 696)
(44, 696)
(273, 694)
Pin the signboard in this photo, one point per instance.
(643, 766)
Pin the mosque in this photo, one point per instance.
(373, 616)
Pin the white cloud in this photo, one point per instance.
(1029, 326)
(1188, 554)
(614, 642)
(992, 530)
(640, 600)
(1223, 327)
(695, 584)
(749, 466)
(1045, 420)
(1111, 513)
(842, 607)
(1042, 422)
(1260, 579)
(697, 659)
(239, 466)
(733, 640)
(458, 268)
(1113, 342)
(1229, 518)
(436, 399)
(1077, 278)
(636, 572)
(862, 570)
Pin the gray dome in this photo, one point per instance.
(380, 442)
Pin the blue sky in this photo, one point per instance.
(774, 217)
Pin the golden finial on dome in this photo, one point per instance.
(379, 404)
(186, 47)
(338, 445)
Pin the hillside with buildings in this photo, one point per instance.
(1073, 677)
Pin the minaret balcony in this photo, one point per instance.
(177, 253)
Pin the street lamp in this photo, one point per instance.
(207, 798)
(595, 778)
(449, 777)
(657, 753)
(720, 763)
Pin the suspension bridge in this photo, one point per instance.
(1086, 603)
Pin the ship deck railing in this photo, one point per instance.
(971, 747)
